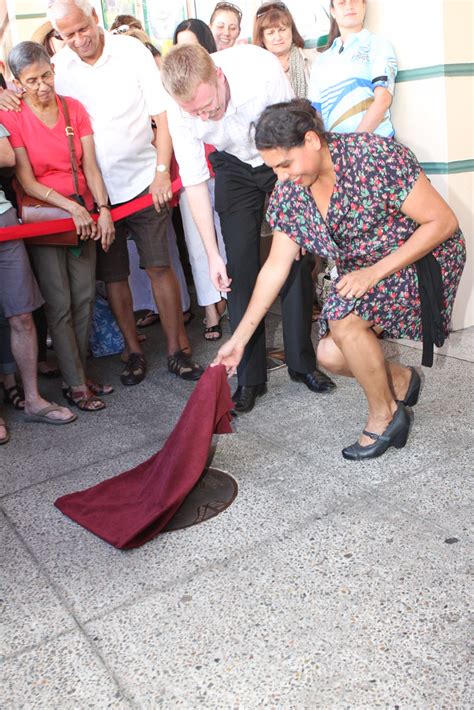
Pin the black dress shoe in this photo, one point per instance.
(413, 391)
(245, 395)
(316, 381)
(395, 434)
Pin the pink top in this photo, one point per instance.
(47, 148)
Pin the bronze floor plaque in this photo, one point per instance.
(213, 493)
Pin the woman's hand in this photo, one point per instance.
(357, 283)
(218, 273)
(105, 229)
(230, 354)
(86, 228)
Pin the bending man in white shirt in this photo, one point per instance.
(215, 100)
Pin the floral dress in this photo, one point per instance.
(364, 223)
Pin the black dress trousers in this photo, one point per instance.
(239, 198)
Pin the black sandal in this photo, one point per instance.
(15, 396)
(188, 316)
(213, 329)
(83, 401)
(134, 371)
(181, 365)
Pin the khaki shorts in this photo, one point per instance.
(148, 229)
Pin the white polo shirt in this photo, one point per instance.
(120, 92)
(256, 81)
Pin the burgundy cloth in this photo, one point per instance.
(133, 507)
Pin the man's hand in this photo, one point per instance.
(10, 101)
(357, 283)
(218, 274)
(160, 189)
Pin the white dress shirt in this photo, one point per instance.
(120, 92)
(256, 80)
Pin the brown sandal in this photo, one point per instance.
(83, 400)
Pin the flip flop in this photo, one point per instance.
(42, 416)
(147, 320)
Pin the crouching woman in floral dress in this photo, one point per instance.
(363, 200)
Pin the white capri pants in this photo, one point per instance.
(205, 291)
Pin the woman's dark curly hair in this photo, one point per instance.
(285, 125)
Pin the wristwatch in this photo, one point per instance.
(160, 168)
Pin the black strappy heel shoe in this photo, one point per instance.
(396, 434)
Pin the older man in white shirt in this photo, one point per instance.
(117, 80)
(215, 100)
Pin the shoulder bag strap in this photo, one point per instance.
(70, 140)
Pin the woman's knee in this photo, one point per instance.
(329, 356)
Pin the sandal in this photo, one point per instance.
(188, 316)
(98, 389)
(15, 396)
(134, 371)
(211, 330)
(149, 318)
(83, 400)
(181, 365)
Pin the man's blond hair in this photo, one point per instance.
(184, 68)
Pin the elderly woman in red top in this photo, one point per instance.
(66, 275)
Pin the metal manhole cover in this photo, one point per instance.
(212, 494)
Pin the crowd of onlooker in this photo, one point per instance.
(98, 119)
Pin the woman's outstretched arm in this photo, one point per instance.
(270, 280)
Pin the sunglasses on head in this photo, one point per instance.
(271, 6)
(228, 6)
(124, 28)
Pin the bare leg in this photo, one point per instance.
(166, 293)
(364, 358)
(331, 357)
(120, 300)
(25, 351)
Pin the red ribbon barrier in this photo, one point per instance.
(38, 229)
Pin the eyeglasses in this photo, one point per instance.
(34, 84)
(228, 6)
(209, 112)
(271, 6)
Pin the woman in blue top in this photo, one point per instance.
(352, 82)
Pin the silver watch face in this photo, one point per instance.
(161, 169)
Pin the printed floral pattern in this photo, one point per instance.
(364, 223)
